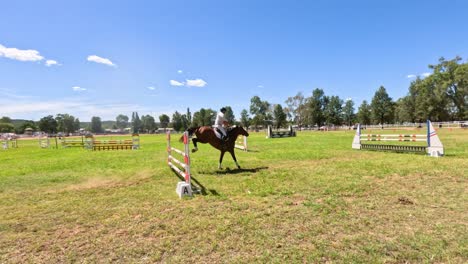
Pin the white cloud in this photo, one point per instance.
(151, 88)
(49, 63)
(78, 89)
(21, 55)
(179, 71)
(348, 99)
(426, 74)
(260, 86)
(98, 59)
(196, 83)
(176, 83)
(189, 83)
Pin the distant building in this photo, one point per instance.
(28, 131)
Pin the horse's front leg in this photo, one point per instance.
(234, 158)
(221, 160)
(194, 140)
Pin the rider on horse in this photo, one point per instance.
(220, 124)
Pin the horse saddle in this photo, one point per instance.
(219, 134)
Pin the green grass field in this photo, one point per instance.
(296, 200)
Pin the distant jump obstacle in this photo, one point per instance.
(44, 141)
(433, 148)
(133, 143)
(184, 188)
(9, 143)
(241, 143)
(280, 133)
(69, 143)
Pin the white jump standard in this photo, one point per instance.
(184, 188)
(434, 147)
(241, 143)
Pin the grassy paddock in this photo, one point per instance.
(310, 198)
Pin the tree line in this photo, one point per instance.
(441, 96)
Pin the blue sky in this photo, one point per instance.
(104, 58)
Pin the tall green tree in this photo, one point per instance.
(76, 124)
(5, 119)
(164, 120)
(65, 123)
(189, 118)
(185, 122)
(7, 128)
(177, 121)
(204, 117)
(279, 116)
(333, 110)
(405, 107)
(364, 113)
(316, 105)
(96, 125)
(382, 107)
(460, 96)
(136, 122)
(430, 102)
(260, 111)
(297, 109)
(48, 124)
(450, 79)
(198, 118)
(245, 119)
(402, 114)
(348, 112)
(121, 121)
(148, 123)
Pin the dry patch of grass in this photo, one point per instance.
(111, 181)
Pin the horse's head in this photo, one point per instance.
(241, 131)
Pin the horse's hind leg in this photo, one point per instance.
(234, 158)
(194, 140)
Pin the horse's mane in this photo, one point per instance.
(190, 130)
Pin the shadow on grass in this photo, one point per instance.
(251, 151)
(237, 171)
(199, 188)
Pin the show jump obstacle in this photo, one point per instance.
(184, 188)
(133, 143)
(434, 147)
(68, 143)
(280, 133)
(7, 143)
(241, 143)
(44, 141)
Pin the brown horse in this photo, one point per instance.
(206, 134)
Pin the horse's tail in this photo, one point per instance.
(190, 131)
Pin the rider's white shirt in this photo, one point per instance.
(219, 120)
